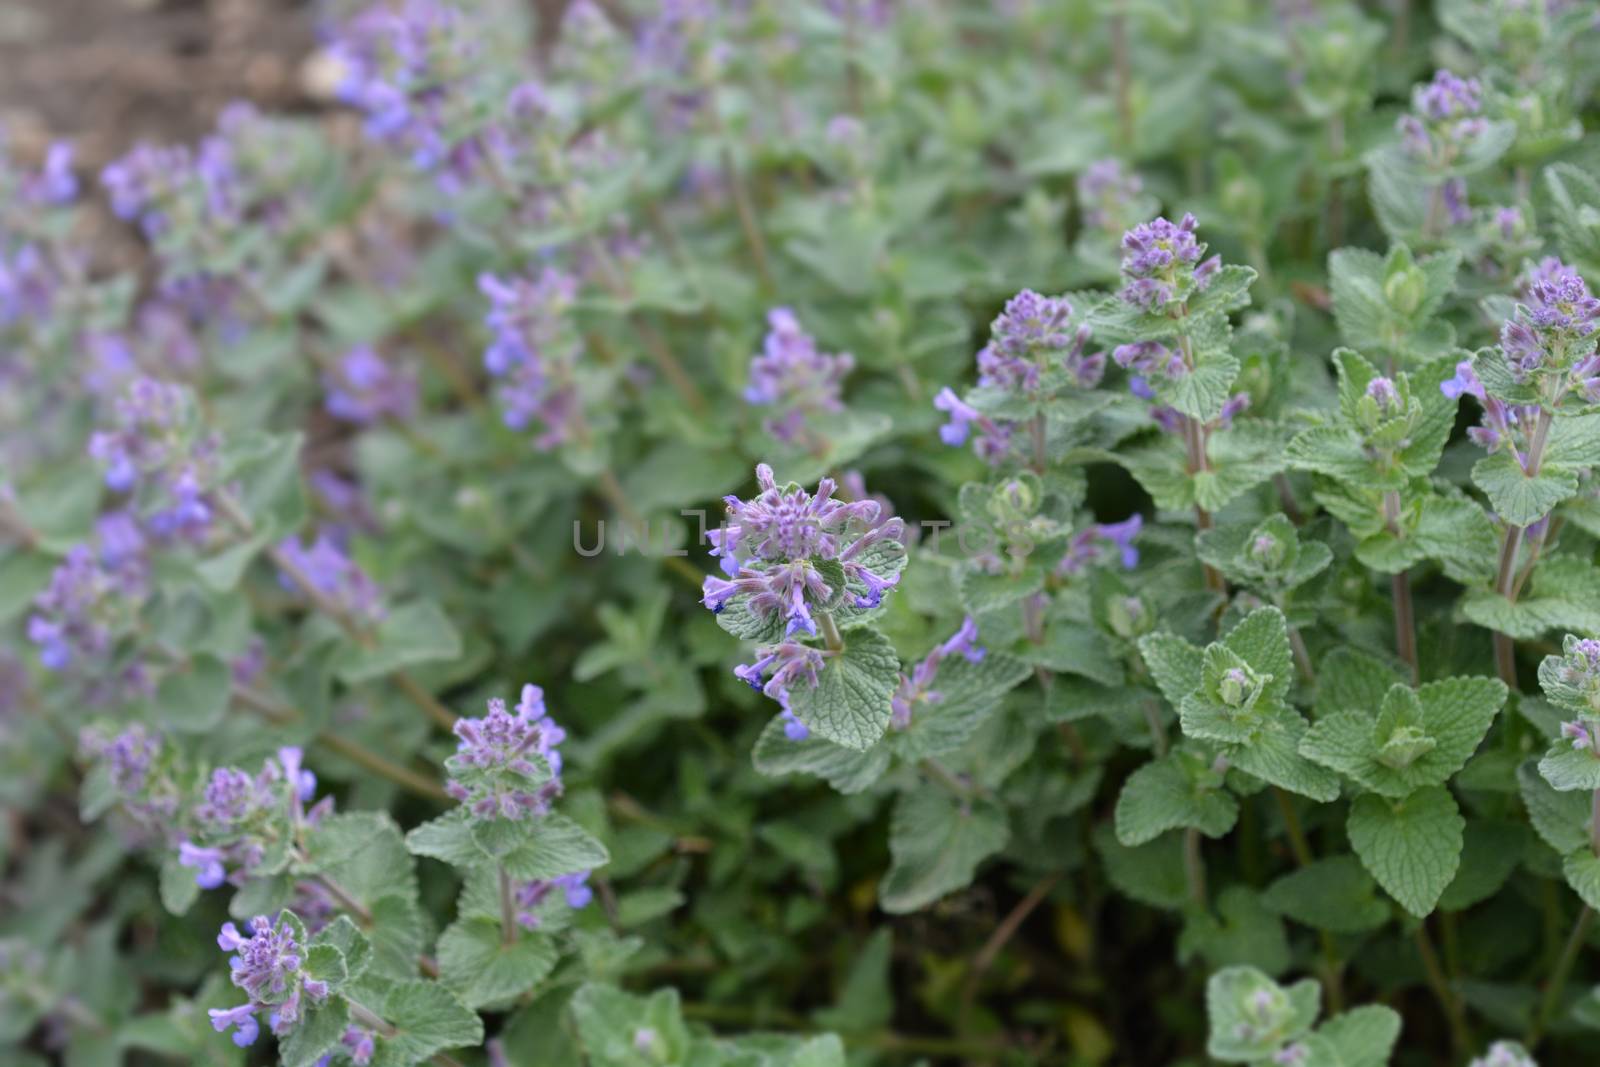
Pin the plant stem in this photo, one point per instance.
(1333, 969)
(353, 751)
(365, 1016)
(1194, 867)
(1460, 1036)
(1123, 72)
(830, 632)
(744, 207)
(1006, 931)
(508, 913)
(1405, 623)
(1558, 979)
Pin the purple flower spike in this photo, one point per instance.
(209, 872)
(793, 377)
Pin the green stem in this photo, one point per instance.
(508, 911)
(1460, 1035)
(830, 632)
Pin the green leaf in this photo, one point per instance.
(865, 1001)
(1070, 647)
(1273, 755)
(428, 1019)
(1241, 932)
(608, 1021)
(448, 838)
(968, 694)
(544, 848)
(1446, 719)
(1412, 847)
(195, 699)
(1178, 790)
(1251, 1017)
(936, 842)
(477, 963)
(982, 593)
(1575, 205)
(1334, 894)
(414, 633)
(1562, 594)
(1516, 496)
(846, 769)
(1566, 767)
(178, 888)
(1582, 871)
(850, 703)
(1364, 1036)
(317, 1033)
(1174, 663)
(1151, 873)
(1561, 819)
(355, 951)
(1491, 852)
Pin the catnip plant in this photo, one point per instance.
(1043, 532)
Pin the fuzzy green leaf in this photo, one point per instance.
(1412, 846)
(850, 703)
(936, 842)
(1178, 790)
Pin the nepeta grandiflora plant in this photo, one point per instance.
(1174, 432)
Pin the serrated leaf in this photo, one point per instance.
(483, 969)
(1491, 852)
(1364, 1036)
(1151, 873)
(1334, 894)
(850, 703)
(1566, 767)
(1412, 847)
(1520, 498)
(936, 842)
(1560, 819)
(448, 838)
(1242, 932)
(846, 769)
(428, 1019)
(1273, 755)
(1237, 1030)
(968, 693)
(318, 1032)
(608, 1021)
(1562, 594)
(1582, 872)
(1174, 663)
(1169, 793)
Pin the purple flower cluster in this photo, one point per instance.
(132, 762)
(158, 448)
(493, 770)
(415, 70)
(70, 620)
(1029, 330)
(917, 687)
(793, 377)
(267, 966)
(1089, 546)
(1553, 330)
(531, 896)
(534, 353)
(327, 568)
(779, 668)
(1153, 360)
(239, 814)
(770, 545)
(1106, 193)
(1444, 120)
(1161, 263)
(362, 388)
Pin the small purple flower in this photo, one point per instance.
(1030, 323)
(916, 687)
(1087, 547)
(574, 889)
(1444, 119)
(56, 183)
(207, 863)
(358, 1045)
(1383, 393)
(962, 415)
(794, 377)
(241, 1019)
(1578, 733)
(330, 571)
(793, 728)
(1148, 359)
(362, 388)
(781, 667)
(1465, 382)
